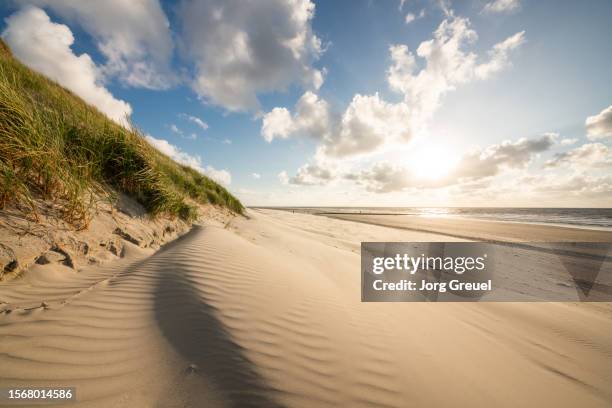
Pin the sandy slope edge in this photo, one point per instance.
(25, 241)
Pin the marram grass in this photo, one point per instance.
(56, 147)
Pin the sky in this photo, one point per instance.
(337, 103)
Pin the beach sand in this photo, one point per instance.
(485, 230)
(266, 312)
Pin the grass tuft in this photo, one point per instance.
(55, 146)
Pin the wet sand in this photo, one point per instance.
(482, 230)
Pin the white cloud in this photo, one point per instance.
(367, 124)
(506, 155)
(242, 48)
(194, 119)
(175, 129)
(447, 64)
(501, 6)
(277, 124)
(600, 126)
(193, 161)
(175, 153)
(445, 6)
(499, 56)
(404, 64)
(502, 170)
(313, 174)
(45, 46)
(311, 118)
(382, 177)
(473, 166)
(283, 177)
(220, 176)
(582, 186)
(587, 155)
(227, 141)
(370, 125)
(568, 141)
(410, 17)
(256, 176)
(134, 36)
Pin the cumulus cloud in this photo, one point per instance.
(312, 174)
(256, 176)
(447, 64)
(193, 161)
(242, 48)
(220, 176)
(587, 155)
(134, 36)
(46, 47)
(366, 125)
(600, 126)
(278, 124)
(501, 6)
(580, 185)
(175, 153)
(311, 118)
(506, 155)
(317, 173)
(384, 177)
(369, 124)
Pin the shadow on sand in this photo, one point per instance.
(192, 327)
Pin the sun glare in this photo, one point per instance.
(433, 163)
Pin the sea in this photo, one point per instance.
(599, 218)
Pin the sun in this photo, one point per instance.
(432, 162)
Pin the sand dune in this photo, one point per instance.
(267, 312)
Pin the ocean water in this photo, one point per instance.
(585, 217)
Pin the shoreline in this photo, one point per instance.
(486, 230)
(322, 212)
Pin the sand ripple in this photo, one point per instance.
(233, 318)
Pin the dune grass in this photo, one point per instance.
(56, 147)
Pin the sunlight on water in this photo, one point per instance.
(583, 217)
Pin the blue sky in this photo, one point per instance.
(349, 102)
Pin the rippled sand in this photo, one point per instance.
(267, 312)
